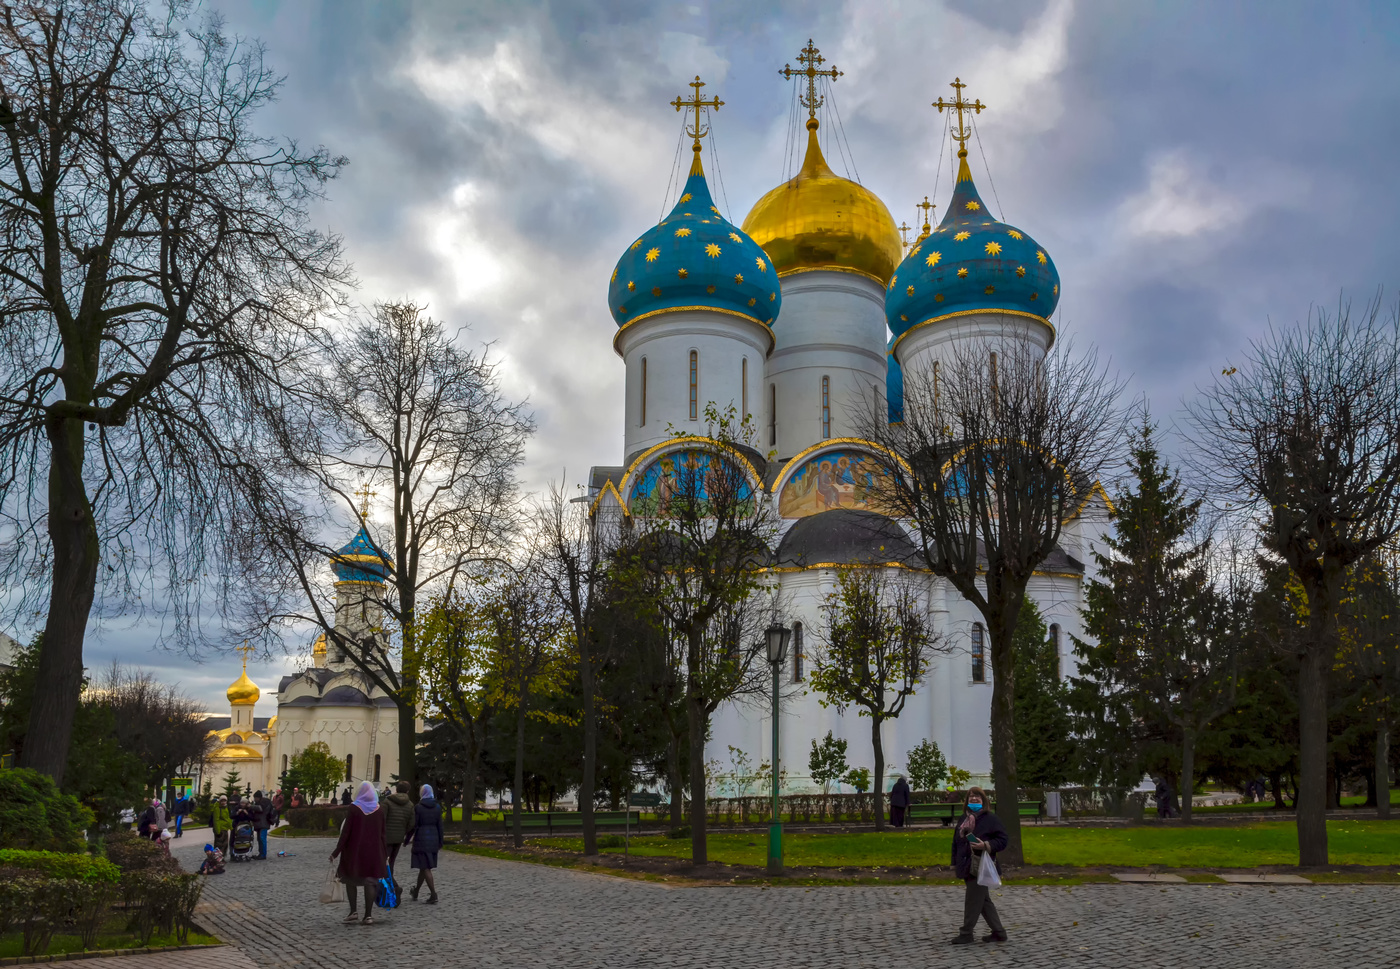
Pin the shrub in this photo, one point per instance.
(678, 833)
(130, 853)
(34, 814)
(321, 817)
(610, 841)
(59, 865)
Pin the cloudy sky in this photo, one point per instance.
(1197, 170)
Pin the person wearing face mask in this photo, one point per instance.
(978, 833)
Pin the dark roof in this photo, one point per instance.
(213, 722)
(319, 675)
(845, 536)
(599, 476)
(345, 696)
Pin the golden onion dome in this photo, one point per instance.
(819, 220)
(243, 690)
(320, 648)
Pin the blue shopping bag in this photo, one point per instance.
(387, 898)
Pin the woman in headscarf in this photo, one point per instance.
(362, 851)
(427, 839)
(978, 833)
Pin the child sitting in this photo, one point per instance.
(213, 861)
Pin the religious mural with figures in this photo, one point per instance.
(840, 478)
(674, 477)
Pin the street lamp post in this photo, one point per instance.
(777, 640)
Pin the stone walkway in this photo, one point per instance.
(509, 914)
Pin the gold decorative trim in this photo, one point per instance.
(361, 582)
(948, 316)
(792, 462)
(378, 560)
(834, 269)
(608, 486)
(677, 443)
(676, 309)
(1088, 496)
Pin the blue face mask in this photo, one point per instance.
(974, 807)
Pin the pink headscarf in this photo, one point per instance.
(367, 801)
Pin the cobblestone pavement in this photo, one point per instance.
(220, 957)
(511, 914)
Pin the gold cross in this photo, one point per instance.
(928, 207)
(959, 104)
(697, 131)
(904, 230)
(245, 649)
(811, 57)
(364, 494)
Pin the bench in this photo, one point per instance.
(551, 821)
(947, 813)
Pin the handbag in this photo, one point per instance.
(387, 897)
(333, 890)
(987, 873)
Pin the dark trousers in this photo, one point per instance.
(393, 854)
(978, 904)
(262, 842)
(896, 815)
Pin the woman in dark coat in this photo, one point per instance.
(899, 802)
(362, 851)
(427, 839)
(978, 833)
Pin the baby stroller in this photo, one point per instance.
(243, 839)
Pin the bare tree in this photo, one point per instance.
(705, 534)
(877, 646)
(157, 273)
(155, 721)
(1304, 433)
(999, 447)
(400, 404)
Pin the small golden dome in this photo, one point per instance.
(243, 690)
(819, 220)
(235, 752)
(320, 648)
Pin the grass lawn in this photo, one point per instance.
(12, 942)
(1245, 846)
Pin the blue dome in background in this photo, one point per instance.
(694, 258)
(361, 560)
(894, 386)
(971, 262)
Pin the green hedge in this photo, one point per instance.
(34, 815)
(321, 817)
(83, 868)
(153, 901)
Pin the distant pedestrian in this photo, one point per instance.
(152, 820)
(362, 851)
(261, 812)
(979, 833)
(899, 802)
(427, 839)
(182, 807)
(1162, 794)
(345, 794)
(398, 825)
(221, 823)
(278, 802)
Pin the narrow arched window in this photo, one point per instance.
(694, 385)
(797, 657)
(995, 391)
(772, 415)
(349, 766)
(935, 382)
(826, 407)
(376, 767)
(284, 763)
(979, 654)
(1055, 645)
(644, 391)
(744, 388)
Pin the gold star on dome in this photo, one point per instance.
(933, 259)
(904, 318)
(1013, 233)
(614, 275)
(753, 301)
(909, 291)
(962, 236)
(656, 291)
(1040, 255)
(712, 250)
(652, 254)
(682, 273)
(972, 205)
(1033, 295)
(685, 197)
(631, 286)
(738, 279)
(993, 248)
(734, 237)
(715, 211)
(938, 298)
(682, 232)
(622, 310)
(762, 266)
(962, 273)
(772, 296)
(635, 244)
(710, 288)
(1055, 289)
(989, 291)
(893, 279)
(1020, 270)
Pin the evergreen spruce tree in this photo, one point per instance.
(1043, 749)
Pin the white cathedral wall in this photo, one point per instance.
(722, 344)
(919, 348)
(832, 324)
(346, 730)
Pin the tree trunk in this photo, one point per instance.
(73, 536)
(1382, 767)
(1276, 788)
(1312, 755)
(590, 749)
(878, 781)
(519, 782)
(1188, 772)
(673, 778)
(699, 854)
(408, 742)
(468, 800)
(1004, 734)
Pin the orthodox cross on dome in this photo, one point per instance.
(364, 494)
(904, 229)
(960, 104)
(810, 57)
(697, 130)
(245, 649)
(928, 208)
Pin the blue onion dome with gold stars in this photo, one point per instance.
(694, 259)
(970, 263)
(361, 560)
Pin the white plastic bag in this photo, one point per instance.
(333, 890)
(987, 873)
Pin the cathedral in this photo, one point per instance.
(331, 701)
(795, 319)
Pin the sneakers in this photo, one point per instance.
(994, 937)
(962, 939)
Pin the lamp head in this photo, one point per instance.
(776, 636)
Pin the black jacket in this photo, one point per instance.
(427, 825)
(258, 813)
(899, 794)
(988, 828)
